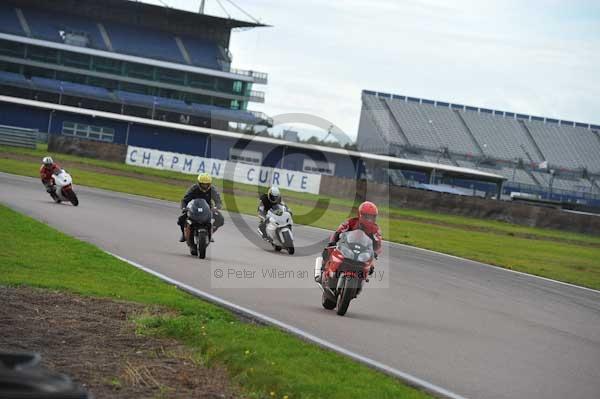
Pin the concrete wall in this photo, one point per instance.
(87, 148)
(518, 213)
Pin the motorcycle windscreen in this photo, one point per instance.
(277, 210)
(358, 237)
(199, 211)
(356, 246)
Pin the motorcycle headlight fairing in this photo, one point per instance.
(364, 256)
(347, 252)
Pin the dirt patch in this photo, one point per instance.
(94, 342)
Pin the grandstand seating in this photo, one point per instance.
(9, 22)
(521, 176)
(572, 147)
(14, 79)
(383, 119)
(432, 127)
(127, 98)
(45, 84)
(79, 90)
(500, 137)
(143, 42)
(202, 52)
(173, 105)
(474, 136)
(125, 39)
(47, 26)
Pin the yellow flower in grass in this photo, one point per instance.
(272, 393)
(247, 352)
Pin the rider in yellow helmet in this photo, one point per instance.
(205, 190)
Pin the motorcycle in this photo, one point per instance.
(346, 270)
(198, 227)
(63, 188)
(279, 225)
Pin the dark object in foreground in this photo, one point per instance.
(22, 376)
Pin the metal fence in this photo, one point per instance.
(18, 137)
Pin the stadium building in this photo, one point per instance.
(153, 86)
(128, 58)
(550, 159)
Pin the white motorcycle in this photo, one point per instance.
(64, 188)
(279, 225)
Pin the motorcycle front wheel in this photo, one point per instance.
(288, 243)
(201, 242)
(347, 292)
(73, 198)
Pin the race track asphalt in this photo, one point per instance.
(478, 331)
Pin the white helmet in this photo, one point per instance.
(274, 194)
(47, 161)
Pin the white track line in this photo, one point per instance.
(407, 378)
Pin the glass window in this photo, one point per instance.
(99, 82)
(225, 85)
(245, 156)
(197, 98)
(107, 65)
(324, 168)
(237, 86)
(42, 54)
(76, 60)
(38, 72)
(9, 67)
(139, 70)
(200, 81)
(81, 133)
(12, 48)
(171, 76)
(135, 88)
(89, 132)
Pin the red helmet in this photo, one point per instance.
(367, 214)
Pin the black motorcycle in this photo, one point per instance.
(198, 227)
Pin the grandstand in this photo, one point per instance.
(554, 159)
(127, 57)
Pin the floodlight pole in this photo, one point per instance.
(201, 10)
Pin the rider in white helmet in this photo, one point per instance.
(47, 170)
(267, 201)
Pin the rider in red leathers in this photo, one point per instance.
(367, 222)
(47, 170)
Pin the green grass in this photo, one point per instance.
(555, 254)
(260, 359)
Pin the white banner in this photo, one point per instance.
(235, 171)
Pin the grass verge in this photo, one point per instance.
(264, 361)
(559, 255)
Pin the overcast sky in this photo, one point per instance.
(539, 57)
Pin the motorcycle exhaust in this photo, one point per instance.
(318, 263)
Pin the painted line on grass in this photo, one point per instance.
(405, 377)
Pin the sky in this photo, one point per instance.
(539, 57)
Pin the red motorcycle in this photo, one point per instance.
(348, 267)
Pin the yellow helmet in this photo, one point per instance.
(204, 181)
